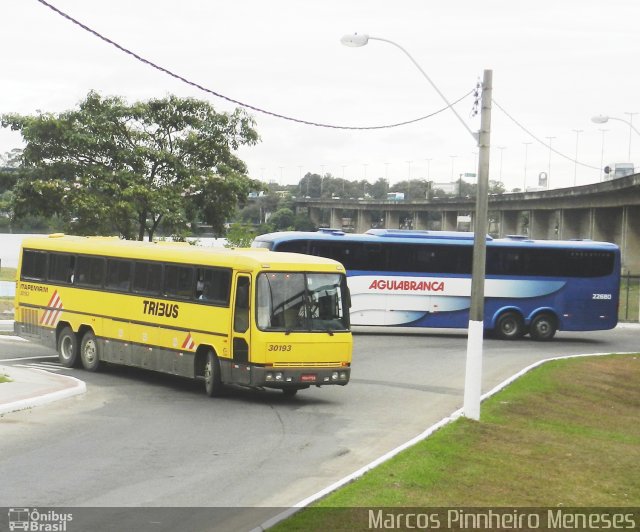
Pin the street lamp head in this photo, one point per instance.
(355, 40)
(600, 119)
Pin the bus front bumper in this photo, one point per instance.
(281, 377)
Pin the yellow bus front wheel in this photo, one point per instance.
(212, 378)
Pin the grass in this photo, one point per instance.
(6, 303)
(6, 307)
(566, 434)
(4, 378)
(7, 274)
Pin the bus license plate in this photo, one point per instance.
(308, 377)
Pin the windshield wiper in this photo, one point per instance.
(328, 329)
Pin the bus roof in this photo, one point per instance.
(181, 252)
(433, 237)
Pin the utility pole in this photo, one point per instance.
(473, 373)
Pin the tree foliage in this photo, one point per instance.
(111, 166)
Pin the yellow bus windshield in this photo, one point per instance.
(301, 302)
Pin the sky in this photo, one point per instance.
(555, 65)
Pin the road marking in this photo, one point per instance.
(46, 367)
(27, 358)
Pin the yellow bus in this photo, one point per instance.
(246, 317)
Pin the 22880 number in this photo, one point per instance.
(601, 296)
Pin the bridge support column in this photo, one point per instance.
(544, 225)
(315, 215)
(607, 224)
(335, 218)
(630, 246)
(575, 223)
(363, 221)
(524, 223)
(391, 220)
(449, 220)
(508, 223)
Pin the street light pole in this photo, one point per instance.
(549, 168)
(630, 128)
(357, 40)
(575, 167)
(603, 119)
(526, 153)
(603, 131)
(473, 375)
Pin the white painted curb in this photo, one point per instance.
(78, 388)
(385, 457)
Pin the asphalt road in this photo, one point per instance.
(138, 438)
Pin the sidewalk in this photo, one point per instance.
(34, 387)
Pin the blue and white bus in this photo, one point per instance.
(423, 279)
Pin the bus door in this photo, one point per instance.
(241, 333)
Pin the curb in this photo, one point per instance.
(413, 441)
(72, 387)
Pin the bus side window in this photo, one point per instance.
(178, 281)
(61, 267)
(34, 265)
(90, 271)
(147, 277)
(119, 275)
(213, 285)
(294, 246)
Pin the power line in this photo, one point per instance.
(174, 75)
(227, 98)
(573, 160)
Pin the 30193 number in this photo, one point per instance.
(279, 347)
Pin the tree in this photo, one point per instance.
(240, 236)
(110, 166)
(282, 219)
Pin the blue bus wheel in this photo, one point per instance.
(543, 327)
(509, 326)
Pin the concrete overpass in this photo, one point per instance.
(608, 211)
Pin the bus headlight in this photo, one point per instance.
(278, 376)
(343, 375)
(334, 376)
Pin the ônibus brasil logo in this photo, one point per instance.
(34, 520)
